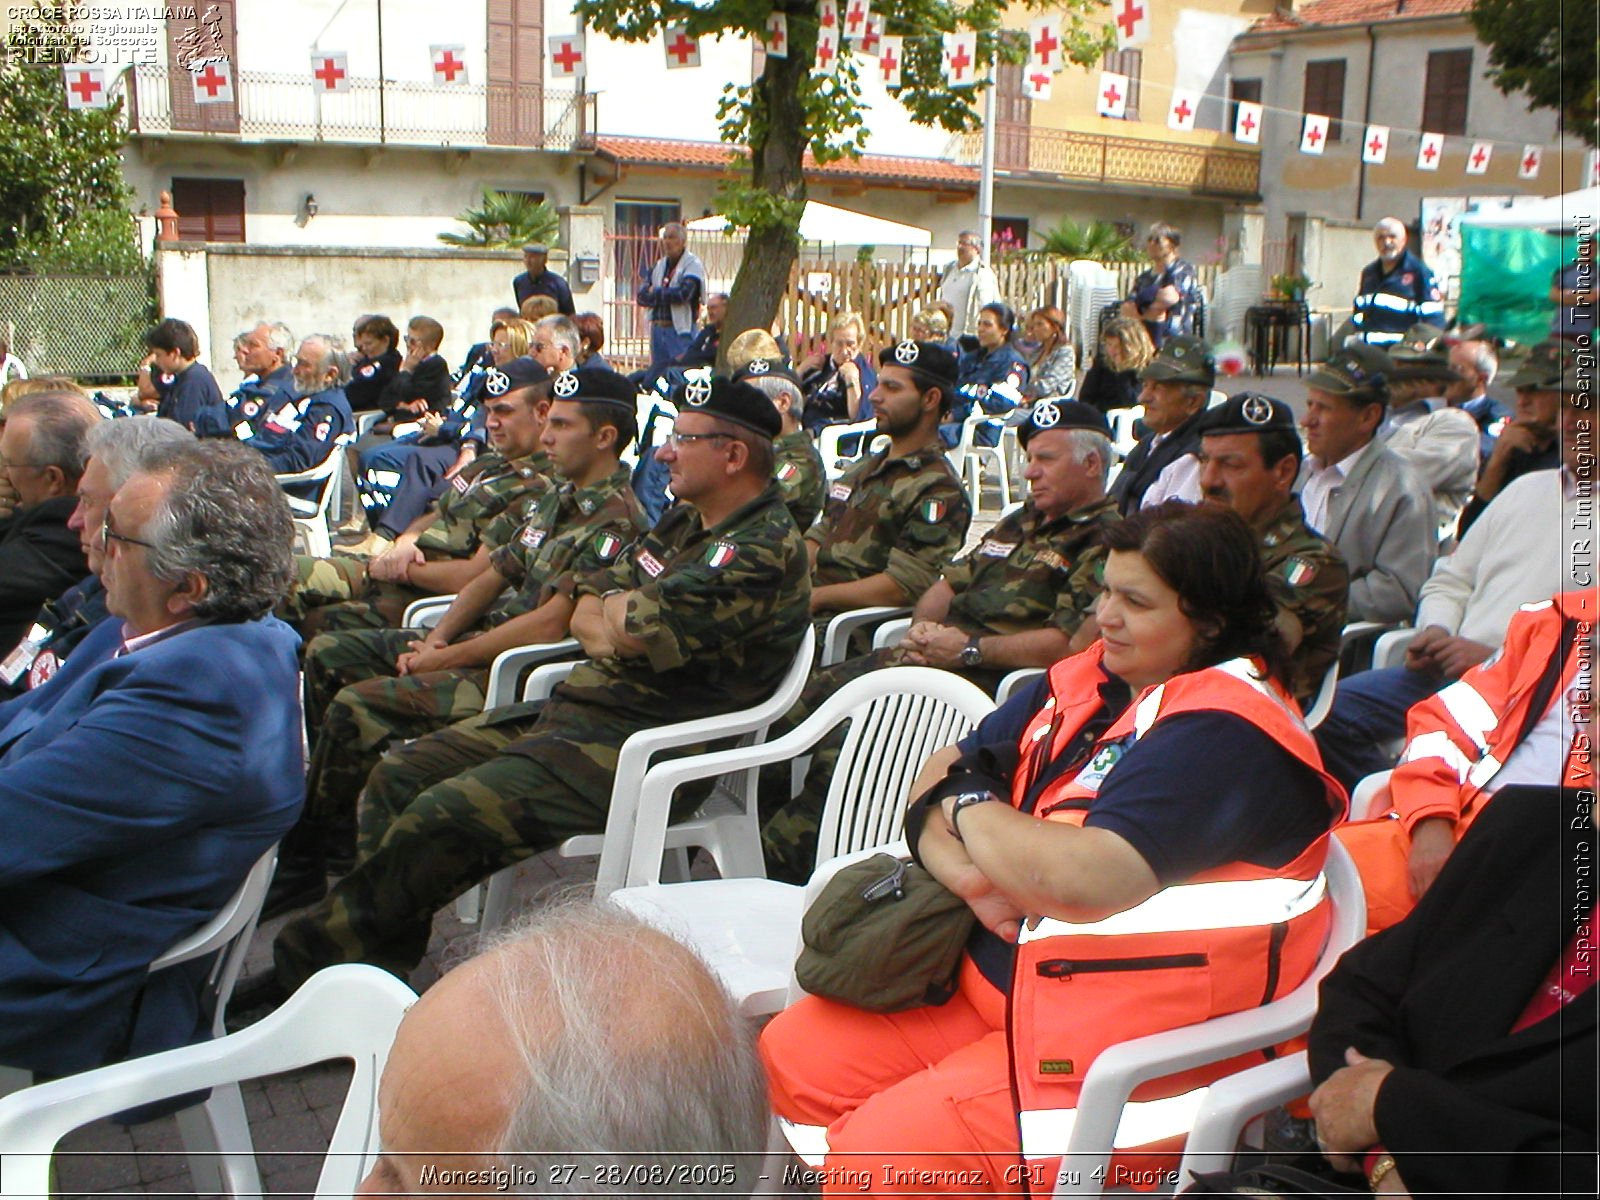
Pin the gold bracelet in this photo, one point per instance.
(1380, 1171)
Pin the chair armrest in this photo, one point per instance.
(891, 633)
(502, 685)
(425, 613)
(842, 625)
(544, 679)
(1013, 681)
(1390, 650)
(1371, 796)
(1229, 1106)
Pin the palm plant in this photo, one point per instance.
(505, 221)
(1098, 240)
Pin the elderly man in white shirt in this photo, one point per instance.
(968, 284)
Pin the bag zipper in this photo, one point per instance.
(1066, 968)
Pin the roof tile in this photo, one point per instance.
(1323, 13)
(882, 168)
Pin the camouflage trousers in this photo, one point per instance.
(341, 581)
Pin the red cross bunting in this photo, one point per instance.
(1478, 156)
(329, 73)
(1130, 16)
(1376, 144)
(854, 16)
(1247, 122)
(1112, 96)
(681, 48)
(87, 87)
(888, 63)
(1045, 46)
(775, 37)
(825, 52)
(568, 57)
(211, 80)
(1181, 110)
(1429, 153)
(1039, 81)
(1530, 162)
(449, 66)
(1313, 135)
(959, 62)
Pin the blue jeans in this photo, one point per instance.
(1367, 709)
(667, 345)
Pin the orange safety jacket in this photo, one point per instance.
(1228, 939)
(1460, 737)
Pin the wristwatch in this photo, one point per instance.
(966, 800)
(972, 652)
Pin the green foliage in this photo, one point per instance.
(505, 221)
(1545, 49)
(1099, 240)
(64, 202)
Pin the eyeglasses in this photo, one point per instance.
(109, 535)
(676, 439)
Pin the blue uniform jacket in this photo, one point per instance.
(253, 402)
(297, 437)
(135, 793)
(193, 398)
(979, 370)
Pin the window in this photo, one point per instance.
(1325, 92)
(1131, 64)
(209, 210)
(1444, 95)
(633, 240)
(1247, 90)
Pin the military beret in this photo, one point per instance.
(1354, 370)
(765, 368)
(595, 386)
(1542, 370)
(930, 360)
(736, 402)
(1062, 414)
(518, 373)
(1182, 359)
(1248, 412)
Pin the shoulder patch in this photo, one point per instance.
(1299, 571)
(460, 484)
(720, 554)
(532, 537)
(606, 545)
(787, 471)
(933, 511)
(839, 491)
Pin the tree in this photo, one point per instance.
(789, 109)
(1545, 49)
(64, 201)
(505, 221)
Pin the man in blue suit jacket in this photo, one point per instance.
(139, 784)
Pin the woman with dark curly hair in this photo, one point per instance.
(1140, 837)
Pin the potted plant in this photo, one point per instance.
(1291, 287)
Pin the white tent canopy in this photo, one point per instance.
(1552, 212)
(840, 227)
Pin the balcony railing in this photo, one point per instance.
(1135, 162)
(288, 108)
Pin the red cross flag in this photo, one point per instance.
(873, 37)
(1375, 145)
(961, 59)
(827, 50)
(1314, 134)
(331, 70)
(1429, 153)
(566, 55)
(1247, 123)
(828, 15)
(1528, 168)
(1036, 82)
(857, 16)
(682, 50)
(213, 81)
(86, 87)
(1478, 160)
(776, 40)
(1181, 112)
(1112, 100)
(1044, 44)
(449, 64)
(889, 60)
(1132, 19)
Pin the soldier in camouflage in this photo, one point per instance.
(483, 506)
(893, 520)
(1018, 599)
(798, 470)
(702, 617)
(1249, 457)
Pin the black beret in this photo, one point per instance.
(1248, 412)
(766, 368)
(514, 375)
(935, 364)
(736, 402)
(1062, 414)
(595, 386)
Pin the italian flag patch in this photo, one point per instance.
(1298, 571)
(720, 554)
(606, 546)
(933, 511)
(787, 472)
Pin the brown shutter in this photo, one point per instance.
(1013, 112)
(1444, 94)
(209, 210)
(208, 33)
(1324, 92)
(515, 90)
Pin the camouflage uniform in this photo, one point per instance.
(1311, 585)
(720, 612)
(800, 476)
(571, 533)
(1027, 573)
(486, 489)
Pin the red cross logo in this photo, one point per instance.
(87, 87)
(1530, 162)
(854, 16)
(1247, 122)
(1430, 152)
(824, 52)
(1376, 144)
(828, 14)
(873, 35)
(1130, 16)
(1313, 135)
(211, 80)
(681, 48)
(1182, 111)
(888, 63)
(775, 36)
(1039, 81)
(449, 66)
(959, 62)
(1045, 46)
(1478, 156)
(568, 57)
(330, 73)
(1112, 96)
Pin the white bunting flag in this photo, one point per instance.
(1528, 167)
(827, 61)
(828, 16)
(1036, 82)
(682, 50)
(1430, 152)
(1375, 146)
(331, 70)
(873, 37)
(1132, 19)
(87, 87)
(566, 55)
(1314, 134)
(213, 81)
(857, 17)
(1112, 100)
(449, 64)
(889, 60)
(777, 38)
(961, 59)
(1181, 112)
(1247, 122)
(1478, 160)
(1044, 43)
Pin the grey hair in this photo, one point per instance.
(130, 445)
(1392, 224)
(674, 227)
(58, 428)
(280, 338)
(773, 386)
(629, 1048)
(223, 517)
(1484, 360)
(1085, 442)
(335, 354)
(563, 331)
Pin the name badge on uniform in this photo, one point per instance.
(649, 564)
(1098, 767)
(460, 484)
(839, 491)
(997, 549)
(46, 665)
(243, 431)
(533, 538)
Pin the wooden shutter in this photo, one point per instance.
(1013, 114)
(1444, 95)
(1131, 64)
(209, 31)
(209, 210)
(1324, 92)
(515, 91)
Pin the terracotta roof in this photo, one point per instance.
(1323, 13)
(869, 168)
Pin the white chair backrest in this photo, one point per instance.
(835, 462)
(1122, 422)
(346, 1012)
(1322, 703)
(1371, 798)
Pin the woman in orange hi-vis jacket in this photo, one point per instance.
(1506, 721)
(1141, 837)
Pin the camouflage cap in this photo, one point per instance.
(1544, 367)
(740, 403)
(596, 386)
(1182, 359)
(765, 368)
(1062, 414)
(1413, 362)
(1248, 412)
(513, 376)
(929, 360)
(1357, 369)
(1420, 336)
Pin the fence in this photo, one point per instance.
(90, 327)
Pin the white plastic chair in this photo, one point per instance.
(311, 515)
(1231, 1103)
(426, 612)
(1016, 679)
(1371, 796)
(1322, 704)
(843, 625)
(747, 930)
(345, 1012)
(1123, 420)
(1390, 650)
(891, 632)
(835, 461)
(969, 458)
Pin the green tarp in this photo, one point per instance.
(1506, 276)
